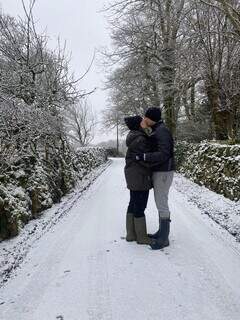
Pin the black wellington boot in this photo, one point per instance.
(155, 235)
(163, 240)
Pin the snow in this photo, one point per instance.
(12, 252)
(220, 209)
(19, 173)
(19, 193)
(81, 268)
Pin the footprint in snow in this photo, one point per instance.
(67, 271)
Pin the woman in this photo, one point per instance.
(139, 180)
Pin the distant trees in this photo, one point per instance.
(113, 119)
(80, 123)
(182, 56)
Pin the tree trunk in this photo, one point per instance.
(152, 87)
(117, 138)
(234, 118)
(186, 105)
(220, 118)
(192, 103)
(170, 114)
(168, 74)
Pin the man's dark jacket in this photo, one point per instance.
(163, 145)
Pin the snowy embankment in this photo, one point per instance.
(212, 165)
(222, 210)
(216, 167)
(32, 184)
(13, 252)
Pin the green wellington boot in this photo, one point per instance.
(141, 231)
(131, 234)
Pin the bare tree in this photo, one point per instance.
(215, 53)
(230, 8)
(113, 119)
(29, 70)
(148, 32)
(80, 123)
(36, 86)
(181, 55)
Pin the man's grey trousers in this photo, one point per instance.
(162, 182)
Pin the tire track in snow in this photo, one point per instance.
(99, 307)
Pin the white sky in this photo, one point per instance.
(84, 28)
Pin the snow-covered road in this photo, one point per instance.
(82, 269)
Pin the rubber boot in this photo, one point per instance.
(155, 235)
(163, 240)
(141, 231)
(131, 234)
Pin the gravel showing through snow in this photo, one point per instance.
(82, 269)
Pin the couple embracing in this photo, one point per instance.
(149, 164)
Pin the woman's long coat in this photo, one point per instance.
(137, 173)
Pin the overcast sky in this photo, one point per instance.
(84, 28)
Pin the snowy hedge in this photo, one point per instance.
(215, 166)
(31, 184)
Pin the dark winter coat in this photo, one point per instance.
(137, 173)
(163, 144)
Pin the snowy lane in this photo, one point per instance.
(83, 270)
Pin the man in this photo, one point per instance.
(163, 166)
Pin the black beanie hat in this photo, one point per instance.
(154, 114)
(133, 123)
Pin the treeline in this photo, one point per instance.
(42, 109)
(44, 119)
(182, 55)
